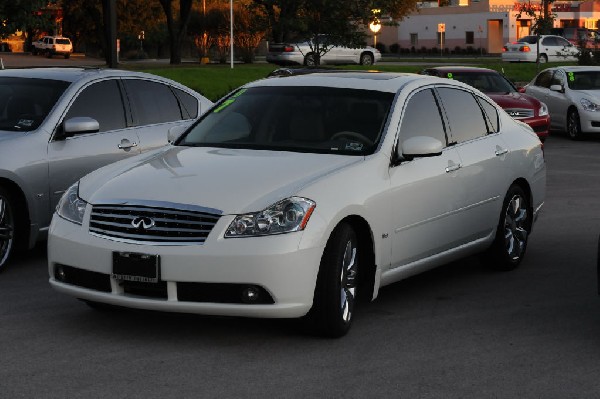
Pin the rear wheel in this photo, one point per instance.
(512, 232)
(573, 125)
(366, 59)
(310, 60)
(335, 292)
(7, 227)
(67, 56)
(543, 58)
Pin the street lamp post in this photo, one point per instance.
(375, 26)
(231, 31)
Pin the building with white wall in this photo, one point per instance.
(487, 24)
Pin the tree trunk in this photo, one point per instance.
(177, 33)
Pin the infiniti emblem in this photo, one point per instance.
(142, 222)
(514, 113)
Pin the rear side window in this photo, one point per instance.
(464, 114)
(189, 104)
(492, 115)
(103, 102)
(422, 118)
(152, 102)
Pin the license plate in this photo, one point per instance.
(133, 266)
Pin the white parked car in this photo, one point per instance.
(293, 197)
(572, 94)
(303, 54)
(552, 49)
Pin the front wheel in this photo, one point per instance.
(335, 292)
(366, 59)
(7, 227)
(310, 60)
(512, 234)
(573, 125)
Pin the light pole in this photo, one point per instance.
(375, 26)
(231, 31)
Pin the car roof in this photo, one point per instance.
(579, 68)
(460, 68)
(365, 80)
(72, 74)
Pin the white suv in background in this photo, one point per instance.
(52, 45)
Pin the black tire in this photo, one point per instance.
(67, 56)
(34, 51)
(48, 54)
(598, 265)
(543, 59)
(366, 59)
(335, 292)
(310, 60)
(512, 234)
(573, 125)
(7, 227)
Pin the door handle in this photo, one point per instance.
(500, 151)
(126, 144)
(453, 167)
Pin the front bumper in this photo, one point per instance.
(540, 125)
(589, 121)
(284, 272)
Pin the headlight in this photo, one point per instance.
(70, 206)
(286, 216)
(589, 106)
(543, 110)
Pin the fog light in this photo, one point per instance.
(60, 273)
(250, 294)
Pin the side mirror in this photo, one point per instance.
(557, 88)
(420, 146)
(175, 132)
(78, 125)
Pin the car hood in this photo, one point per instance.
(515, 100)
(6, 135)
(229, 180)
(590, 94)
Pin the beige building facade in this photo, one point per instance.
(475, 24)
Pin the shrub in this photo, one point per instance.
(395, 48)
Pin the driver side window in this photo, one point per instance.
(422, 118)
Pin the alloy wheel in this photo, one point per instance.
(515, 227)
(348, 281)
(6, 230)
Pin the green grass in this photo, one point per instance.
(214, 81)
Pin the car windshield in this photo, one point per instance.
(584, 80)
(25, 103)
(486, 82)
(300, 119)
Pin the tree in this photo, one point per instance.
(25, 16)
(177, 28)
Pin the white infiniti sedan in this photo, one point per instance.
(294, 197)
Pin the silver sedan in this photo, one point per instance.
(57, 125)
(572, 94)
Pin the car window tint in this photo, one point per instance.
(464, 114)
(189, 104)
(152, 102)
(422, 118)
(492, 115)
(549, 41)
(103, 102)
(562, 42)
(544, 79)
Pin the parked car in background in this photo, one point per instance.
(293, 197)
(53, 45)
(58, 124)
(303, 54)
(518, 105)
(572, 94)
(552, 48)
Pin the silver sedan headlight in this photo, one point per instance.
(543, 110)
(70, 206)
(286, 216)
(589, 106)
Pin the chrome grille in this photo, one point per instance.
(520, 113)
(151, 224)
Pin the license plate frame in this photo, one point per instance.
(134, 266)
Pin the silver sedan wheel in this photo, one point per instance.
(515, 227)
(573, 125)
(348, 281)
(7, 230)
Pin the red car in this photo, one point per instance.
(518, 105)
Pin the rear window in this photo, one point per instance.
(25, 102)
(63, 41)
(528, 39)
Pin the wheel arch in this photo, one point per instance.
(368, 52)
(524, 185)
(22, 212)
(366, 253)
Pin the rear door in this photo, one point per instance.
(155, 108)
